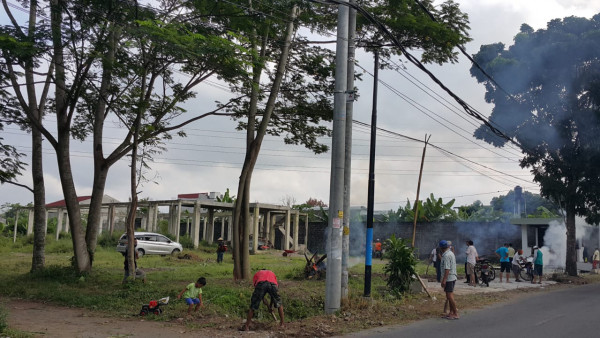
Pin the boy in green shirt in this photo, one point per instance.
(193, 294)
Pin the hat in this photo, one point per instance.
(535, 247)
(443, 244)
(219, 239)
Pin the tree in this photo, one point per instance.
(531, 202)
(117, 59)
(293, 80)
(22, 54)
(552, 76)
(430, 210)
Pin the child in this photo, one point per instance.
(193, 294)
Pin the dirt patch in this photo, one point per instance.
(46, 320)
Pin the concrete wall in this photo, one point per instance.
(487, 236)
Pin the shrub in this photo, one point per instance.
(106, 240)
(186, 242)
(401, 266)
(3, 320)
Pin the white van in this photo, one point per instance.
(150, 243)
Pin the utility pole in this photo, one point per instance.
(348, 157)
(371, 188)
(336, 189)
(418, 190)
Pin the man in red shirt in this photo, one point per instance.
(265, 282)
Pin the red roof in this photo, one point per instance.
(62, 203)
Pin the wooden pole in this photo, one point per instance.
(418, 189)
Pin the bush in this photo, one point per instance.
(3, 320)
(106, 240)
(186, 242)
(401, 266)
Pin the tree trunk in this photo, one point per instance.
(241, 255)
(38, 260)
(571, 261)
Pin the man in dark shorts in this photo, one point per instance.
(265, 282)
(505, 265)
(448, 267)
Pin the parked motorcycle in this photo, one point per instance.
(486, 272)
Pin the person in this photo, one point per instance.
(378, 249)
(595, 259)
(438, 270)
(138, 273)
(505, 265)
(221, 250)
(264, 282)
(448, 266)
(192, 294)
(472, 258)
(434, 259)
(511, 253)
(516, 265)
(538, 264)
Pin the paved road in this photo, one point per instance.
(571, 313)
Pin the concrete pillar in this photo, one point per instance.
(16, 225)
(306, 231)
(101, 223)
(223, 227)
(273, 220)
(177, 221)
(296, 226)
(111, 219)
(30, 222)
(536, 236)
(210, 233)
(204, 228)
(229, 228)
(267, 222)
(187, 225)
(286, 241)
(67, 224)
(524, 228)
(59, 222)
(46, 227)
(155, 216)
(196, 225)
(255, 229)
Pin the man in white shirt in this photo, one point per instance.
(448, 266)
(472, 258)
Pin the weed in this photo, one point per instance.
(3, 319)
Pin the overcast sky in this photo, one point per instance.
(210, 158)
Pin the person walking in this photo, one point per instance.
(221, 248)
(502, 252)
(472, 258)
(448, 266)
(538, 264)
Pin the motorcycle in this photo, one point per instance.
(486, 272)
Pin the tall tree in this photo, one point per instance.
(115, 59)
(292, 80)
(552, 110)
(22, 52)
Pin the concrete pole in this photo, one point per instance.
(273, 220)
(223, 227)
(524, 228)
(306, 231)
(229, 228)
(101, 223)
(30, 222)
(67, 224)
(155, 216)
(177, 221)
(205, 220)
(196, 226)
(111, 219)
(211, 226)
(59, 222)
(296, 226)
(267, 225)
(46, 227)
(16, 225)
(255, 231)
(348, 150)
(336, 189)
(286, 242)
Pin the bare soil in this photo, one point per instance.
(46, 320)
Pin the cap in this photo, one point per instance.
(535, 247)
(219, 239)
(443, 244)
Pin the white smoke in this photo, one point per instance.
(555, 244)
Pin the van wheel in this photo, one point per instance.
(175, 252)
(141, 253)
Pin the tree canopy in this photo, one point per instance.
(551, 107)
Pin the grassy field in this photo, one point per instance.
(102, 290)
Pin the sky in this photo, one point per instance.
(211, 157)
